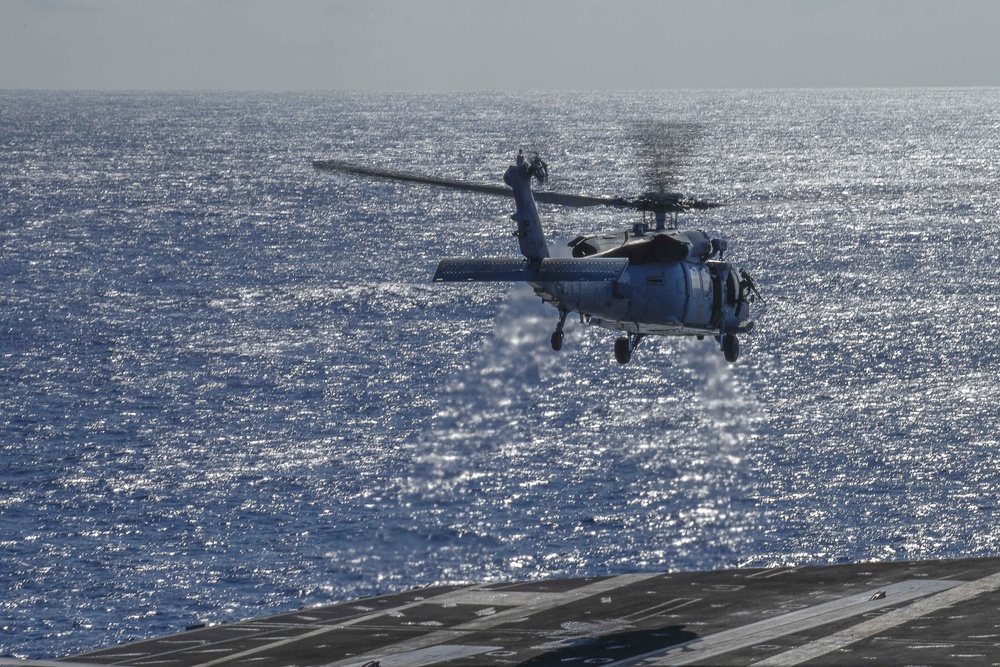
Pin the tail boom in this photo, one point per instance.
(593, 269)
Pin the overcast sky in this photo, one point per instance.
(497, 44)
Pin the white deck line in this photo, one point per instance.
(720, 643)
(532, 606)
(432, 655)
(879, 625)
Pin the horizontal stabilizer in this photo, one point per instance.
(551, 269)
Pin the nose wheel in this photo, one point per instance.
(625, 346)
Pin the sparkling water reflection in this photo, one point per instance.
(228, 386)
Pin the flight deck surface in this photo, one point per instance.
(905, 613)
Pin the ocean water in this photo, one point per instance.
(228, 386)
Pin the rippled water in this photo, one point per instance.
(228, 387)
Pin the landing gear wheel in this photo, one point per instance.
(626, 345)
(557, 340)
(557, 335)
(623, 351)
(731, 347)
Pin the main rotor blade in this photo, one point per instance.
(557, 198)
(664, 150)
(578, 201)
(655, 202)
(331, 165)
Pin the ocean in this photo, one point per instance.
(228, 386)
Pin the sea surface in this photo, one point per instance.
(228, 386)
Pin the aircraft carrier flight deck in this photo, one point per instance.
(906, 613)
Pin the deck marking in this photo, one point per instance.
(431, 655)
(779, 572)
(720, 643)
(659, 610)
(14, 662)
(770, 572)
(335, 625)
(531, 606)
(556, 600)
(264, 647)
(878, 625)
(491, 598)
(265, 635)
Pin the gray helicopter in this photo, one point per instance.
(663, 281)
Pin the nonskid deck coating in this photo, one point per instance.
(907, 613)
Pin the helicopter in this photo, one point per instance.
(641, 281)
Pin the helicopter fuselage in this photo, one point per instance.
(667, 298)
(670, 282)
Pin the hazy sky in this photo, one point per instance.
(497, 44)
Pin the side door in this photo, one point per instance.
(698, 311)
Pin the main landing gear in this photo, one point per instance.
(557, 335)
(625, 346)
(730, 347)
